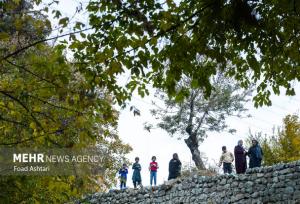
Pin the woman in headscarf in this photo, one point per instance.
(174, 167)
(240, 158)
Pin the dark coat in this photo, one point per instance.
(136, 176)
(174, 169)
(255, 153)
(240, 159)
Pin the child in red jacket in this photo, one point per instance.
(153, 170)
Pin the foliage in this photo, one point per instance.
(46, 102)
(192, 117)
(160, 42)
(49, 101)
(282, 146)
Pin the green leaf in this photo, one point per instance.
(56, 13)
(63, 21)
(4, 36)
(116, 67)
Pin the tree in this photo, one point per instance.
(46, 102)
(282, 146)
(159, 43)
(193, 116)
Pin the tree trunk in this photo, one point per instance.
(193, 145)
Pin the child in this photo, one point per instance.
(153, 170)
(226, 159)
(123, 176)
(136, 176)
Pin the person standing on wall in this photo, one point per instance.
(174, 167)
(240, 158)
(226, 159)
(136, 176)
(123, 176)
(256, 154)
(153, 170)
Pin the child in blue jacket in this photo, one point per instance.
(123, 176)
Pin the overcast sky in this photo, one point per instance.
(159, 143)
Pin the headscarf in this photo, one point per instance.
(240, 143)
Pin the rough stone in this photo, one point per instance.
(289, 190)
(273, 184)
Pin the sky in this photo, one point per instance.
(158, 143)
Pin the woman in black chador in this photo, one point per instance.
(240, 158)
(174, 167)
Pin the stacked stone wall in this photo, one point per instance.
(273, 184)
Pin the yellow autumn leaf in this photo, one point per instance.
(10, 105)
(32, 125)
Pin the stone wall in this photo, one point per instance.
(273, 184)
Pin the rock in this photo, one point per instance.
(285, 171)
(170, 182)
(234, 184)
(238, 197)
(260, 175)
(275, 179)
(254, 195)
(289, 190)
(179, 187)
(223, 181)
(248, 184)
(94, 200)
(296, 195)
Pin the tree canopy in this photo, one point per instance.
(46, 102)
(195, 116)
(161, 41)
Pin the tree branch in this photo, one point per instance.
(53, 105)
(40, 41)
(161, 33)
(12, 121)
(32, 73)
(200, 122)
(28, 139)
(23, 105)
(189, 128)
